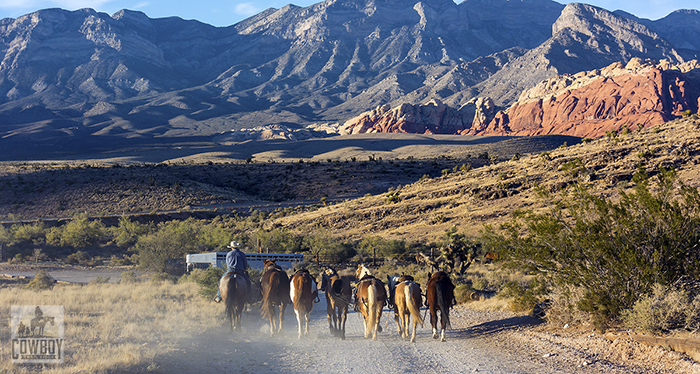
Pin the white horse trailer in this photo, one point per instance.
(255, 260)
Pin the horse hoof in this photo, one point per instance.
(435, 336)
(379, 328)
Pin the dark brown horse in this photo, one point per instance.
(370, 299)
(234, 293)
(338, 296)
(440, 297)
(303, 292)
(275, 294)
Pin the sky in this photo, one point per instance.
(226, 13)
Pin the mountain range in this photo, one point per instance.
(72, 81)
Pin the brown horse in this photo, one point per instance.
(338, 296)
(275, 290)
(440, 297)
(408, 302)
(303, 292)
(370, 298)
(234, 293)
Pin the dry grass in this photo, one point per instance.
(112, 327)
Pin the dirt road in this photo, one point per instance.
(478, 342)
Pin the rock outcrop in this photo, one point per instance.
(588, 104)
(433, 117)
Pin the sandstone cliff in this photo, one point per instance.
(588, 104)
(431, 118)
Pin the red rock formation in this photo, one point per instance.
(589, 104)
(586, 104)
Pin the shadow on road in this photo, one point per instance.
(493, 327)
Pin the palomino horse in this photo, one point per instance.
(275, 293)
(440, 297)
(303, 292)
(234, 292)
(405, 299)
(338, 296)
(370, 298)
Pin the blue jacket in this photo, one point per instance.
(235, 260)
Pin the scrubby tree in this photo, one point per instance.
(616, 250)
(127, 232)
(171, 241)
(80, 232)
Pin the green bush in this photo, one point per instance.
(79, 258)
(171, 241)
(616, 250)
(463, 293)
(207, 279)
(127, 232)
(41, 281)
(80, 232)
(34, 233)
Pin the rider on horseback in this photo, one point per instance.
(236, 263)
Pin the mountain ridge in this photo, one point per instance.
(91, 78)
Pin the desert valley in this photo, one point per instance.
(546, 156)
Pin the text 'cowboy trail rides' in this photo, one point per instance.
(37, 334)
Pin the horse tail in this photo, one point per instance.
(443, 303)
(267, 308)
(231, 290)
(372, 305)
(411, 301)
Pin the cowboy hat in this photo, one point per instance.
(234, 244)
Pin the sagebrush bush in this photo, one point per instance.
(41, 281)
(663, 310)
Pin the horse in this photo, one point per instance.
(234, 292)
(39, 323)
(275, 294)
(405, 299)
(440, 297)
(338, 296)
(391, 283)
(303, 292)
(408, 303)
(370, 298)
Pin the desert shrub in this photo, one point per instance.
(328, 247)
(99, 280)
(523, 295)
(80, 232)
(171, 241)
(277, 240)
(463, 293)
(79, 258)
(41, 281)
(127, 232)
(617, 250)
(128, 277)
(5, 236)
(563, 307)
(34, 233)
(663, 310)
(207, 279)
(161, 277)
(371, 246)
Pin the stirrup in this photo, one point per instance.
(217, 299)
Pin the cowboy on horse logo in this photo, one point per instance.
(37, 333)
